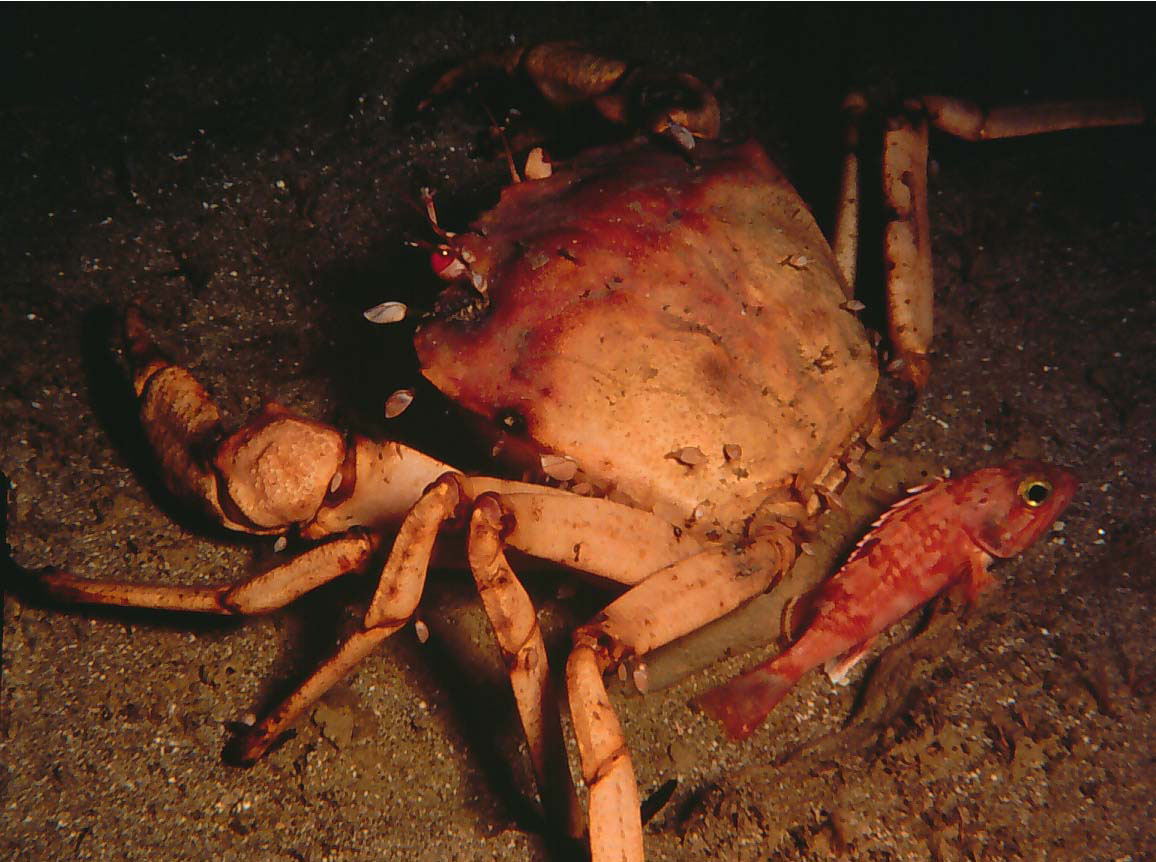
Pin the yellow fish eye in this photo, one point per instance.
(1034, 491)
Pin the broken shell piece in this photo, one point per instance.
(281, 544)
(853, 305)
(397, 403)
(691, 456)
(335, 482)
(537, 165)
(559, 467)
(421, 630)
(681, 134)
(641, 678)
(385, 312)
(796, 261)
(732, 451)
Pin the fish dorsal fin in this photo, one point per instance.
(894, 511)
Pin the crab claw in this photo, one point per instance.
(566, 74)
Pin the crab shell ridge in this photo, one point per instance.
(640, 306)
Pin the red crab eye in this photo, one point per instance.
(446, 264)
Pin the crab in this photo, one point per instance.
(659, 332)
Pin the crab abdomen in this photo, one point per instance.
(675, 328)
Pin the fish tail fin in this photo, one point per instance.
(742, 704)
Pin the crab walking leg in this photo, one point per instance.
(614, 807)
(671, 603)
(595, 536)
(971, 122)
(519, 636)
(265, 592)
(907, 246)
(398, 592)
(846, 238)
(907, 237)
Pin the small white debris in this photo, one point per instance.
(386, 312)
(622, 672)
(853, 305)
(732, 451)
(537, 165)
(248, 719)
(398, 402)
(796, 261)
(281, 544)
(335, 482)
(681, 134)
(559, 467)
(641, 678)
(896, 365)
(421, 630)
(691, 456)
(1059, 527)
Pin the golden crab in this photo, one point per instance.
(663, 332)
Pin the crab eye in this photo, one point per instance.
(1034, 491)
(446, 264)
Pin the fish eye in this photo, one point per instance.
(1034, 491)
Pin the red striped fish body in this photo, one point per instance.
(943, 534)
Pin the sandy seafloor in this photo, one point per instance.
(248, 179)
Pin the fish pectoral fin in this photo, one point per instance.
(837, 668)
(978, 576)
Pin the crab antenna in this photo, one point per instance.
(500, 131)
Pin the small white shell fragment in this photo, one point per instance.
(281, 544)
(896, 364)
(559, 467)
(537, 165)
(335, 482)
(248, 719)
(386, 312)
(421, 630)
(691, 456)
(397, 403)
(641, 678)
(853, 305)
(682, 135)
(732, 451)
(797, 261)
(622, 672)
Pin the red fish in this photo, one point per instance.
(945, 533)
